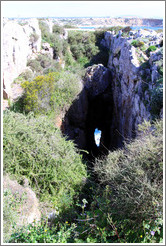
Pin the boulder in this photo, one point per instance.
(28, 208)
(96, 79)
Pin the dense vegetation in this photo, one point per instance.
(125, 205)
(120, 199)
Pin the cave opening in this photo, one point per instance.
(89, 122)
(97, 136)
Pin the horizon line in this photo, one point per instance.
(58, 17)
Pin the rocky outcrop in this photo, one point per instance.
(92, 109)
(131, 85)
(19, 43)
(28, 207)
(115, 99)
(96, 79)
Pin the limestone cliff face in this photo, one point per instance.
(115, 99)
(19, 42)
(131, 85)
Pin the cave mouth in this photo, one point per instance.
(97, 137)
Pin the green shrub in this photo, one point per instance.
(133, 178)
(70, 26)
(53, 92)
(151, 48)
(27, 75)
(10, 214)
(41, 233)
(42, 63)
(37, 93)
(35, 149)
(137, 43)
(82, 44)
(57, 29)
(35, 65)
(44, 31)
(157, 98)
(116, 29)
(69, 60)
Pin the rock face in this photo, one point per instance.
(115, 99)
(29, 208)
(19, 43)
(92, 109)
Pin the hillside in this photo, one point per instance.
(59, 86)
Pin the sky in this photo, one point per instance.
(24, 9)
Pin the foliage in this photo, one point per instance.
(11, 203)
(125, 207)
(43, 63)
(157, 98)
(41, 233)
(70, 26)
(114, 29)
(137, 43)
(151, 48)
(44, 31)
(133, 180)
(27, 75)
(35, 65)
(57, 29)
(51, 92)
(82, 45)
(35, 149)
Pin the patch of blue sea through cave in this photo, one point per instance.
(97, 136)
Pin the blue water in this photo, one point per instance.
(87, 27)
(132, 27)
(146, 27)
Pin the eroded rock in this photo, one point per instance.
(28, 207)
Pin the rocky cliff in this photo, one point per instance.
(115, 99)
(19, 43)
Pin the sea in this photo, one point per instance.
(132, 27)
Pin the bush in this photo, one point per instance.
(57, 29)
(35, 149)
(35, 65)
(44, 31)
(133, 179)
(37, 93)
(10, 215)
(82, 44)
(151, 48)
(27, 75)
(137, 43)
(43, 63)
(157, 98)
(41, 233)
(53, 92)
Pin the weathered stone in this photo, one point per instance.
(17, 47)
(29, 208)
(96, 79)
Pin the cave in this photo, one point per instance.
(100, 112)
(85, 115)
